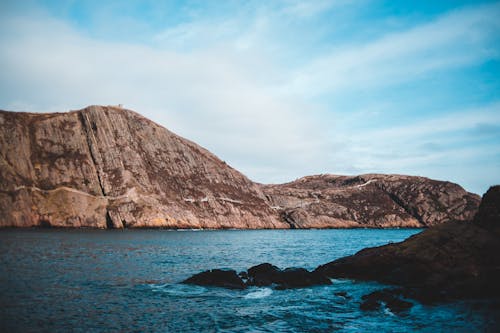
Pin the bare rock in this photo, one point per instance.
(217, 278)
(386, 297)
(107, 167)
(373, 200)
(267, 274)
(260, 275)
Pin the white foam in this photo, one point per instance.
(259, 293)
(178, 289)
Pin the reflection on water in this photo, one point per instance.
(99, 280)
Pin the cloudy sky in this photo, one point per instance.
(277, 89)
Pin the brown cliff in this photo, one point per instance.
(370, 200)
(107, 167)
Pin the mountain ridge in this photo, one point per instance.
(108, 167)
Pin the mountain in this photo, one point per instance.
(373, 200)
(107, 167)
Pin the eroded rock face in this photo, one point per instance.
(106, 167)
(370, 200)
(452, 260)
(109, 167)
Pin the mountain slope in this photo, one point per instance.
(107, 167)
(372, 200)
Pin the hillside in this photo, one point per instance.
(107, 167)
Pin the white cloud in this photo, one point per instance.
(221, 84)
(208, 95)
(462, 37)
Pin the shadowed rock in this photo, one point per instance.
(453, 260)
(267, 274)
(217, 278)
(389, 297)
(260, 275)
(264, 275)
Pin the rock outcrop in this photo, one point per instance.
(260, 276)
(107, 167)
(217, 278)
(452, 260)
(455, 260)
(328, 201)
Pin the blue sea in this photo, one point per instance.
(54, 280)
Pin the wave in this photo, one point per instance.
(178, 289)
(259, 293)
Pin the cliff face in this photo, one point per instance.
(373, 200)
(107, 167)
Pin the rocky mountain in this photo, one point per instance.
(374, 200)
(107, 167)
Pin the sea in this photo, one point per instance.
(58, 280)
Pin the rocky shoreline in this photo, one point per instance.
(447, 262)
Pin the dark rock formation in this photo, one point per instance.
(217, 278)
(373, 200)
(106, 167)
(452, 260)
(267, 274)
(263, 275)
(260, 275)
(388, 297)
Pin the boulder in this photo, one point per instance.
(267, 274)
(389, 297)
(260, 275)
(217, 278)
(264, 275)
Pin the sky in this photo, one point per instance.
(277, 89)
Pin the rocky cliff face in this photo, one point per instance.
(106, 167)
(373, 200)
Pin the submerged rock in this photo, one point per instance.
(217, 278)
(388, 297)
(453, 260)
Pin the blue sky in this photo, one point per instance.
(278, 89)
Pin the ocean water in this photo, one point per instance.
(128, 281)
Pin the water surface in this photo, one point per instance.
(104, 280)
